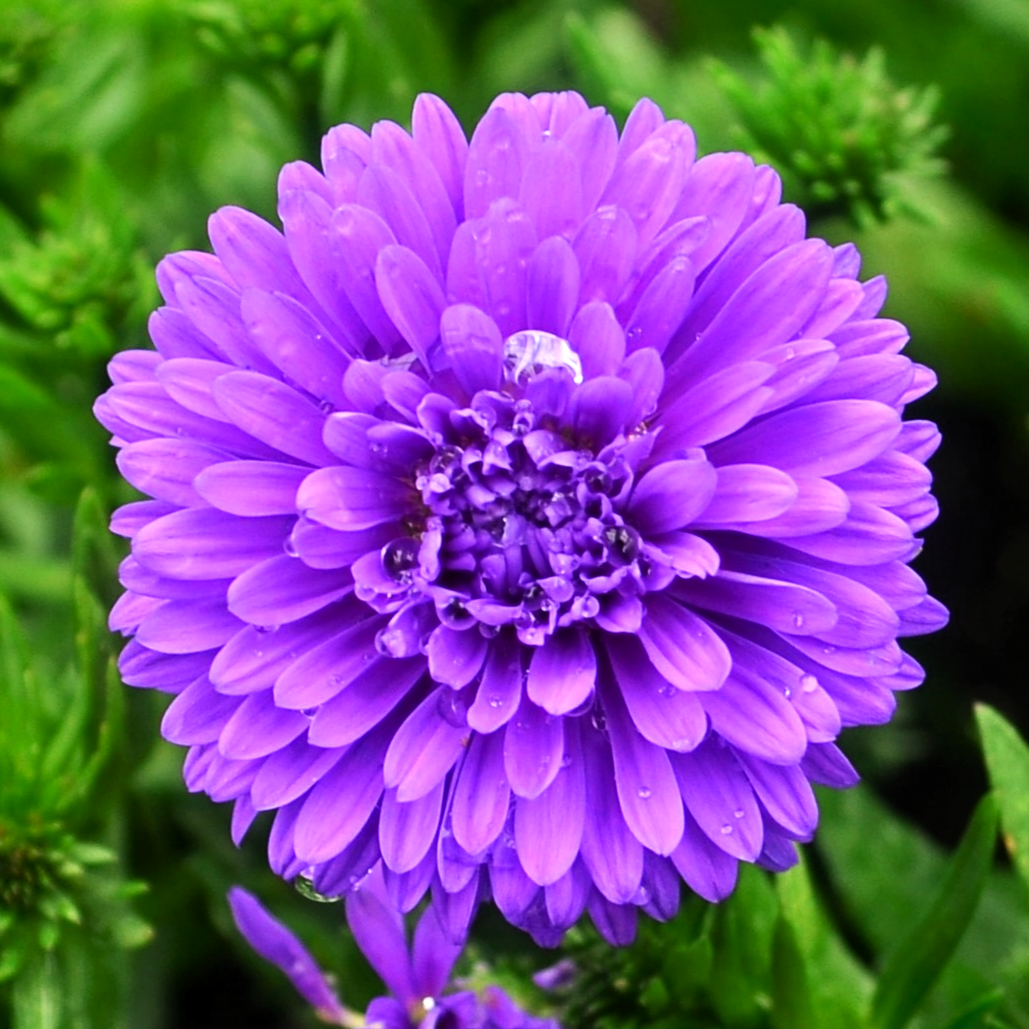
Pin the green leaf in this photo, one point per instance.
(920, 954)
(742, 936)
(1007, 761)
(36, 995)
(792, 1004)
(815, 979)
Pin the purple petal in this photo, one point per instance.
(251, 487)
(297, 343)
(562, 672)
(756, 718)
(672, 494)
(548, 828)
(500, 691)
(481, 794)
(274, 413)
(408, 829)
(289, 773)
(597, 337)
(662, 713)
(720, 798)
(350, 499)
(817, 439)
(341, 802)
(784, 606)
(165, 468)
(283, 589)
(700, 413)
(749, 493)
(364, 701)
(202, 543)
(605, 247)
(785, 793)
(433, 955)
(411, 297)
(274, 942)
(455, 657)
(423, 750)
(552, 285)
(613, 855)
(259, 728)
(646, 786)
(707, 869)
(683, 647)
(533, 749)
(473, 347)
(379, 931)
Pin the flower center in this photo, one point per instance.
(520, 526)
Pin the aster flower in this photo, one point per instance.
(531, 514)
(416, 976)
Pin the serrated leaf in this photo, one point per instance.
(1007, 761)
(919, 955)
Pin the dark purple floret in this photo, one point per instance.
(530, 515)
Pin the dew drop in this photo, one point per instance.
(726, 829)
(808, 683)
(495, 701)
(738, 813)
(787, 692)
(644, 793)
(533, 349)
(798, 620)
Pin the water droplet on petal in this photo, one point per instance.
(798, 620)
(726, 829)
(738, 813)
(495, 702)
(533, 348)
(808, 683)
(644, 793)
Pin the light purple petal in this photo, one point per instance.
(720, 799)
(548, 828)
(683, 647)
(662, 713)
(481, 794)
(533, 749)
(646, 786)
(274, 942)
(408, 829)
(423, 749)
(562, 672)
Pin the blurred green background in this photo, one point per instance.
(124, 123)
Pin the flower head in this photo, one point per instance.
(416, 976)
(531, 513)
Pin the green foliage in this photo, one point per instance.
(65, 903)
(844, 138)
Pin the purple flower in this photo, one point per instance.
(531, 514)
(416, 977)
